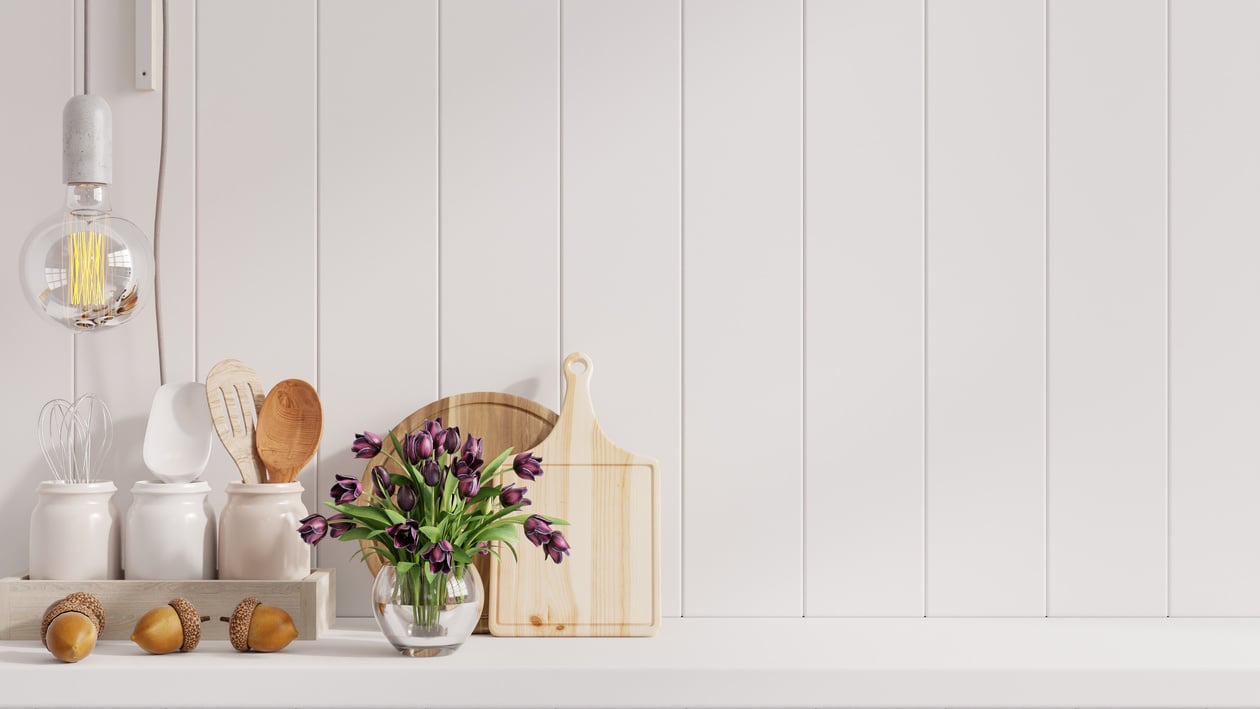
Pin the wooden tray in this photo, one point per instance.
(312, 602)
(500, 420)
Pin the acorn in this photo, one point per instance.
(174, 626)
(72, 625)
(254, 626)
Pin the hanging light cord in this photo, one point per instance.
(85, 46)
(157, 208)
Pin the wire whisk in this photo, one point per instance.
(75, 437)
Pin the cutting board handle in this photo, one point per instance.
(577, 369)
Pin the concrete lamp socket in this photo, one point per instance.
(87, 130)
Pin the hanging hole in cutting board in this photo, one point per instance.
(577, 363)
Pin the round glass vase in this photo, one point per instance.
(426, 616)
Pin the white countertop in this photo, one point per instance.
(694, 662)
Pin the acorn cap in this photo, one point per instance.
(238, 628)
(189, 620)
(77, 602)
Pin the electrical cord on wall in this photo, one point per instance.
(157, 207)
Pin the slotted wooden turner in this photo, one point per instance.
(610, 585)
(236, 397)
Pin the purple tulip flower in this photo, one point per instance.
(417, 446)
(557, 547)
(483, 548)
(527, 466)
(366, 445)
(339, 524)
(469, 486)
(431, 472)
(513, 495)
(346, 489)
(450, 443)
(433, 427)
(538, 530)
(381, 480)
(406, 498)
(406, 535)
(313, 528)
(460, 469)
(439, 557)
(472, 449)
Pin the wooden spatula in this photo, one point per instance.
(235, 397)
(290, 425)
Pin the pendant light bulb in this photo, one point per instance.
(84, 267)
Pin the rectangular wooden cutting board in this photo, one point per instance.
(610, 584)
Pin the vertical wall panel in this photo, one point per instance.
(38, 38)
(377, 235)
(121, 365)
(1214, 289)
(742, 297)
(500, 201)
(1106, 324)
(864, 307)
(622, 204)
(985, 307)
(256, 267)
(178, 247)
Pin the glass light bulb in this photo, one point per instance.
(85, 268)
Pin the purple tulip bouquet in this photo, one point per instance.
(430, 521)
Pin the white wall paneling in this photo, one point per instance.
(622, 206)
(985, 307)
(944, 307)
(378, 265)
(120, 365)
(1214, 327)
(742, 297)
(864, 307)
(37, 357)
(499, 133)
(1106, 318)
(256, 214)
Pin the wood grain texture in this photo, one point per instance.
(310, 602)
(623, 204)
(611, 584)
(1214, 321)
(236, 397)
(38, 356)
(985, 308)
(500, 197)
(864, 362)
(290, 426)
(742, 293)
(501, 421)
(1107, 364)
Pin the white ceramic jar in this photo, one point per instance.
(169, 532)
(75, 532)
(258, 536)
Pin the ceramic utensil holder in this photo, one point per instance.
(258, 536)
(169, 533)
(75, 532)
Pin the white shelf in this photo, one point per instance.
(693, 663)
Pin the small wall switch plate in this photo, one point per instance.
(148, 44)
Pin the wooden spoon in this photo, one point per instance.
(290, 426)
(235, 397)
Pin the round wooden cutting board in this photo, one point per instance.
(500, 420)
